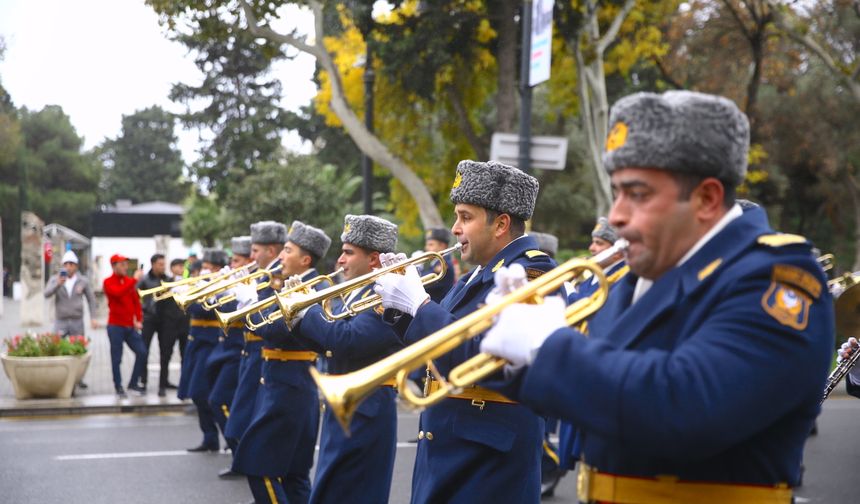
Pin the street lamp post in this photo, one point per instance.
(525, 90)
(366, 162)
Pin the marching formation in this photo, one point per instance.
(683, 361)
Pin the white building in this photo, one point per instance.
(137, 232)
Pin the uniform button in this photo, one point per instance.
(429, 436)
(328, 353)
(262, 381)
(421, 434)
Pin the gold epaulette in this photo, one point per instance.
(780, 239)
(531, 254)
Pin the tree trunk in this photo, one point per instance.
(854, 191)
(506, 60)
(591, 87)
(464, 123)
(366, 141)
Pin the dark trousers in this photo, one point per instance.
(119, 335)
(167, 336)
(207, 424)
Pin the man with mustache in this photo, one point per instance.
(702, 374)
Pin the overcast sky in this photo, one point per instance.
(101, 59)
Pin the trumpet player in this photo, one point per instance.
(702, 374)
(852, 380)
(477, 446)
(267, 239)
(365, 459)
(222, 366)
(276, 451)
(202, 338)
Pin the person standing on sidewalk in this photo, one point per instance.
(125, 319)
(153, 322)
(176, 320)
(69, 290)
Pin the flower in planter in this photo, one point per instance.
(45, 345)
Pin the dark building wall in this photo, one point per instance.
(136, 224)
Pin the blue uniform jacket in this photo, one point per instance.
(715, 374)
(440, 288)
(203, 335)
(222, 370)
(282, 435)
(365, 459)
(475, 455)
(250, 371)
(569, 444)
(587, 288)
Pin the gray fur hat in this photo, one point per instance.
(495, 186)
(680, 131)
(604, 231)
(370, 232)
(268, 232)
(439, 234)
(241, 245)
(313, 240)
(215, 257)
(546, 242)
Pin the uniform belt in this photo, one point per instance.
(205, 323)
(236, 324)
(593, 486)
(288, 355)
(249, 336)
(478, 395)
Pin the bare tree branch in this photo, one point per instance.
(465, 125)
(735, 14)
(666, 75)
(612, 31)
(366, 141)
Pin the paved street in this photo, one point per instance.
(141, 459)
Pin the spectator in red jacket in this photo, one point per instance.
(125, 320)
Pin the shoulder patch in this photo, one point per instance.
(780, 239)
(797, 277)
(531, 254)
(707, 270)
(533, 273)
(787, 305)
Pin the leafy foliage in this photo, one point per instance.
(241, 100)
(45, 345)
(146, 152)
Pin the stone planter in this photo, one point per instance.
(50, 377)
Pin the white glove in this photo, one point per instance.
(387, 259)
(507, 279)
(402, 292)
(298, 296)
(224, 270)
(245, 294)
(417, 253)
(292, 282)
(521, 329)
(844, 352)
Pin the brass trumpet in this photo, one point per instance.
(345, 392)
(164, 291)
(290, 307)
(839, 372)
(224, 283)
(226, 318)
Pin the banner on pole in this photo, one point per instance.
(541, 41)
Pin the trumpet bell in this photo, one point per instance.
(848, 310)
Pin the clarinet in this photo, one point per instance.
(839, 372)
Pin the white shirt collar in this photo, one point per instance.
(643, 284)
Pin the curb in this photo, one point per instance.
(92, 405)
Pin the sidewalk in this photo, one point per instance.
(99, 397)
